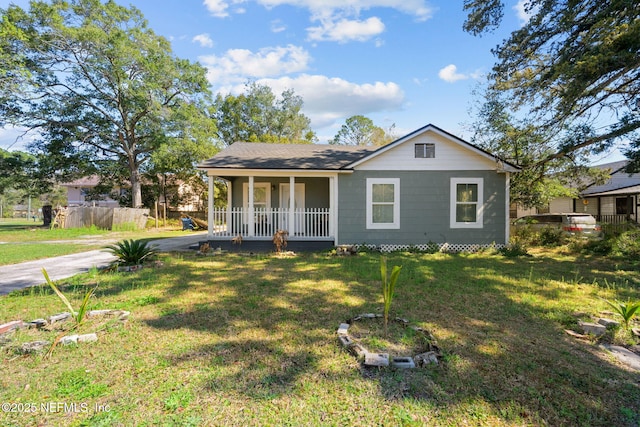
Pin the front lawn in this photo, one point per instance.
(24, 241)
(251, 340)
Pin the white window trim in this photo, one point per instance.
(479, 208)
(425, 146)
(396, 203)
(245, 197)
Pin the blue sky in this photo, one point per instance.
(402, 62)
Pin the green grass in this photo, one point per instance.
(239, 340)
(20, 232)
(24, 241)
(16, 253)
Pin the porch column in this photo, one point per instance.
(252, 217)
(229, 221)
(292, 205)
(333, 194)
(210, 205)
(507, 198)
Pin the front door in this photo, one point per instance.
(285, 197)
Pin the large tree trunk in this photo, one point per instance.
(136, 191)
(136, 188)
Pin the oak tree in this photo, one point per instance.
(573, 70)
(102, 90)
(360, 130)
(257, 115)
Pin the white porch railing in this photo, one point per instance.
(307, 223)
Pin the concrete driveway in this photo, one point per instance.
(18, 276)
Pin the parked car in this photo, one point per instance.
(572, 223)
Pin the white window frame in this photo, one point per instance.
(396, 203)
(427, 148)
(479, 203)
(245, 197)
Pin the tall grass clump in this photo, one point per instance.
(627, 244)
(126, 226)
(388, 287)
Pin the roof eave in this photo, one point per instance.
(504, 166)
(272, 172)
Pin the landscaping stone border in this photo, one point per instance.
(595, 330)
(35, 346)
(368, 358)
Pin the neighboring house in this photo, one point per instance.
(78, 195)
(21, 211)
(613, 202)
(426, 187)
(78, 190)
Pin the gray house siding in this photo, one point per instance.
(316, 191)
(424, 209)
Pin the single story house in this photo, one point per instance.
(616, 201)
(78, 193)
(428, 187)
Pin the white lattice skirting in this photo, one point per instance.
(442, 247)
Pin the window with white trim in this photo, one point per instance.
(261, 195)
(467, 204)
(383, 203)
(261, 200)
(425, 151)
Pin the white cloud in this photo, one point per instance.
(340, 19)
(345, 30)
(238, 65)
(16, 138)
(217, 8)
(450, 74)
(203, 39)
(417, 8)
(277, 26)
(329, 100)
(524, 12)
(419, 81)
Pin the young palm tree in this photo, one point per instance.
(132, 252)
(388, 287)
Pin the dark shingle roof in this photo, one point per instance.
(619, 179)
(259, 155)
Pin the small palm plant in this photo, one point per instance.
(132, 252)
(78, 316)
(388, 287)
(625, 309)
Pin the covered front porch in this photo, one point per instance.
(256, 206)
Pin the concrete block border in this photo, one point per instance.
(367, 358)
(35, 346)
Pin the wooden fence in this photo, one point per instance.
(107, 218)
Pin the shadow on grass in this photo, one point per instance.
(272, 324)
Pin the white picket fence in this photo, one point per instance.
(307, 223)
